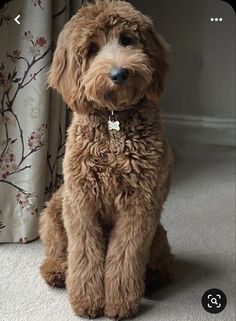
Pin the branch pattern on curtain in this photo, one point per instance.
(33, 120)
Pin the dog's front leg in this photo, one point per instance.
(127, 256)
(86, 255)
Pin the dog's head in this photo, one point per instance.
(110, 55)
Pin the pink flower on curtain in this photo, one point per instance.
(37, 138)
(28, 34)
(7, 164)
(37, 44)
(41, 41)
(27, 201)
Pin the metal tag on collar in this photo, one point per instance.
(113, 123)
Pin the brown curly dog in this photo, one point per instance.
(101, 230)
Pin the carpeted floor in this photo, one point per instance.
(200, 218)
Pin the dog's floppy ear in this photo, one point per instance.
(65, 71)
(158, 51)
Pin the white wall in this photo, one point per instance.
(201, 83)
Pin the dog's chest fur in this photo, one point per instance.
(113, 163)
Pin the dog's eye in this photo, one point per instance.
(126, 40)
(93, 49)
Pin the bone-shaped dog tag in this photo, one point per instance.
(113, 124)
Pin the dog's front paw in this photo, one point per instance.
(88, 307)
(53, 270)
(122, 309)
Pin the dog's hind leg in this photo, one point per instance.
(160, 268)
(53, 235)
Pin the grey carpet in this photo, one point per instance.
(200, 218)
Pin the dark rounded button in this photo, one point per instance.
(214, 301)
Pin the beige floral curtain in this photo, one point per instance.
(33, 120)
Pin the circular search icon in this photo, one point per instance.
(214, 301)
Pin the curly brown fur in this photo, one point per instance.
(104, 222)
(53, 234)
(53, 271)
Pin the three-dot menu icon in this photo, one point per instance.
(216, 19)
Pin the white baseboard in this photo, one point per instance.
(205, 130)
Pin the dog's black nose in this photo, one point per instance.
(119, 75)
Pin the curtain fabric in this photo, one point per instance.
(33, 120)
